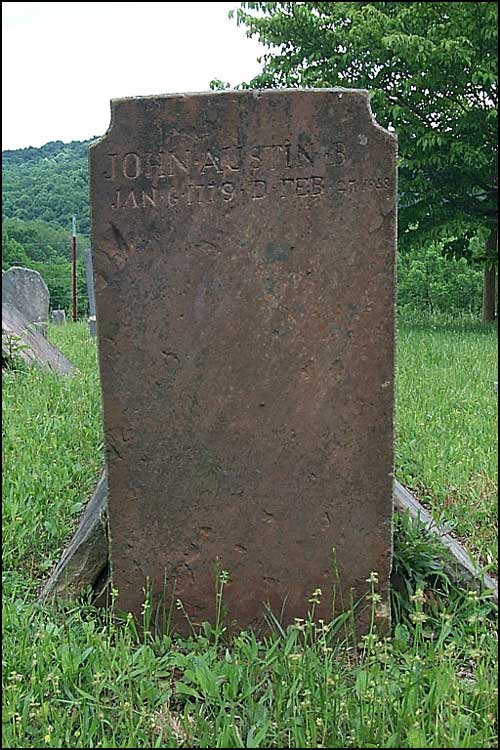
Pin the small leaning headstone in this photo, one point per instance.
(249, 398)
(20, 339)
(26, 290)
(58, 317)
(89, 275)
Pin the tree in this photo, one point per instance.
(431, 70)
(48, 183)
(13, 253)
(46, 249)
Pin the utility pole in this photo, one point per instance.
(73, 246)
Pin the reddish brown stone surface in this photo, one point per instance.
(244, 248)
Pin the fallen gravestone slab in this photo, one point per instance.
(243, 246)
(27, 292)
(458, 565)
(20, 339)
(85, 562)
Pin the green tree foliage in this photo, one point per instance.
(46, 249)
(48, 183)
(40, 241)
(431, 70)
(217, 85)
(430, 282)
(13, 253)
(59, 278)
(42, 188)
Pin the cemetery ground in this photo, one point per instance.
(78, 677)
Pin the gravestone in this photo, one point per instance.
(20, 339)
(89, 275)
(85, 561)
(58, 317)
(27, 291)
(248, 399)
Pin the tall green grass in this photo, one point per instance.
(77, 677)
(447, 435)
(52, 453)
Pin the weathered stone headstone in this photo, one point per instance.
(58, 317)
(85, 561)
(21, 339)
(28, 292)
(248, 400)
(89, 275)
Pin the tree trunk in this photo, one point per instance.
(489, 280)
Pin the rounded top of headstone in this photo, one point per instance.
(26, 290)
(25, 273)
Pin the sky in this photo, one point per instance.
(63, 62)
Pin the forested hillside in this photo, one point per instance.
(48, 183)
(42, 188)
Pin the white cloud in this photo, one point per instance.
(63, 62)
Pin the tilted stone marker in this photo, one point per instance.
(21, 339)
(89, 275)
(248, 400)
(28, 292)
(58, 317)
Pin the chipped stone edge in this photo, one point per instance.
(85, 561)
(115, 104)
(239, 92)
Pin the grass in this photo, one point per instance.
(82, 678)
(52, 454)
(446, 444)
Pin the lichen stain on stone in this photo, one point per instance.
(278, 251)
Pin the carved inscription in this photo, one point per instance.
(202, 177)
(248, 415)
